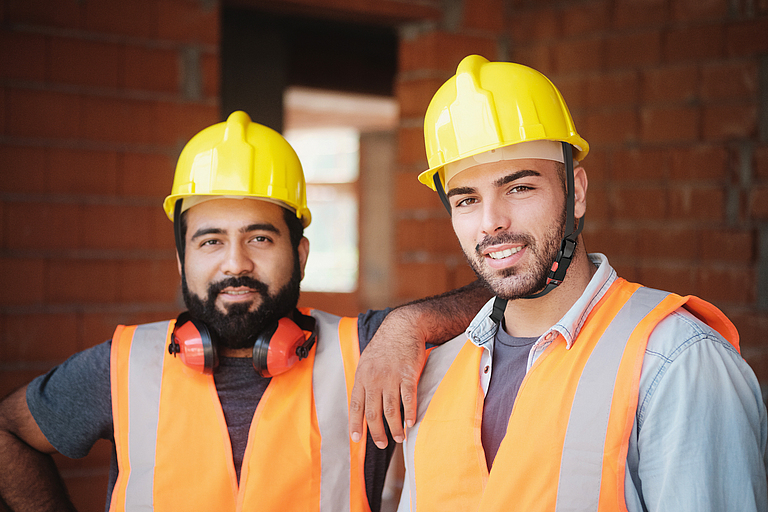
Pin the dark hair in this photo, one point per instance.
(295, 228)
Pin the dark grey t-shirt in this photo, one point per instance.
(510, 358)
(72, 405)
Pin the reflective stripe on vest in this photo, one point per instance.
(567, 437)
(173, 456)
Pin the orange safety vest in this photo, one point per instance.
(566, 443)
(174, 451)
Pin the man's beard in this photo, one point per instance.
(514, 283)
(239, 327)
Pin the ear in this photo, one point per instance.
(303, 254)
(178, 262)
(580, 189)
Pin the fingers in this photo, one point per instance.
(374, 418)
(391, 400)
(356, 412)
(410, 407)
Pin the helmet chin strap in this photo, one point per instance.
(177, 230)
(567, 245)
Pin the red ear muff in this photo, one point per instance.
(283, 345)
(191, 339)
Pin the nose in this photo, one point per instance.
(496, 217)
(237, 261)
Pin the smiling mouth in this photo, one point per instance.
(497, 255)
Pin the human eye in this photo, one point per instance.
(519, 189)
(465, 201)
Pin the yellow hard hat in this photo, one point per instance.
(243, 159)
(489, 105)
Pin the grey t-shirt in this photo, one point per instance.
(510, 358)
(72, 405)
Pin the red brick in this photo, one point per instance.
(761, 162)
(730, 80)
(597, 204)
(484, 15)
(538, 57)
(586, 17)
(15, 376)
(679, 279)
(574, 89)
(39, 337)
(687, 10)
(22, 281)
(161, 230)
(752, 327)
(211, 70)
(747, 38)
(460, 274)
(100, 326)
(634, 13)
(148, 281)
(639, 203)
(694, 43)
(640, 165)
(578, 55)
(87, 488)
(728, 246)
(666, 84)
(596, 165)
(178, 122)
(24, 169)
(42, 114)
(442, 51)
(758, 202)
(39, 12)
(81, 281)
(614, 89)
(410, 146)
(634, 50)
(143, 174)
(676, 244)
(411, 194)
(183, 20)
(75, 171)
(669, 124)
(137, 18)
(616, 126)
(116, 227)
(152, 69)
(414, 96)
(416, 280)
(42, 226)
(83, 62)
(697, 203)
(434, 235)
(699, 163)
(728, 284)
(118, 120)
(533, 25)
(723, 122)
(22, 56)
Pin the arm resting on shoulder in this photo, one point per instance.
(29, 479)
(389, 367)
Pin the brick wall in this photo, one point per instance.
(97, 99)
(672, 96)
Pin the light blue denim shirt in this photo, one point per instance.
(700, 433)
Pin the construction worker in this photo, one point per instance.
(241, 402)
(572, 389)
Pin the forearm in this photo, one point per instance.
(29, 479)
(442, 317)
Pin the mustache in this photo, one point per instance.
(216, 288)
(503, 238)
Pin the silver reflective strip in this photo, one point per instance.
(582, 459)
(330, 393)
(440, 359)
(145, 372)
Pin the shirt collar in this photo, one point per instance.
(482, 329)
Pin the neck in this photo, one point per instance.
(532, 317)
(237, 352)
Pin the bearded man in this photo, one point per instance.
(241, 403)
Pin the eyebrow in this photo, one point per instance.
(266, 226)
(498, 183)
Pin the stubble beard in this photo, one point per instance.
(239, 326)
(515, 283)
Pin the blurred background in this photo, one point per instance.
(98, 97)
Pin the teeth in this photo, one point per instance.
(503, 254)
(237, 292)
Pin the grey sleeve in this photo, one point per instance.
(72, 403)
(368, 323)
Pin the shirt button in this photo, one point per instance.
(486, 369)
(549, 336)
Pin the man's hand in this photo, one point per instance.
(387, 373)
(389, 368)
